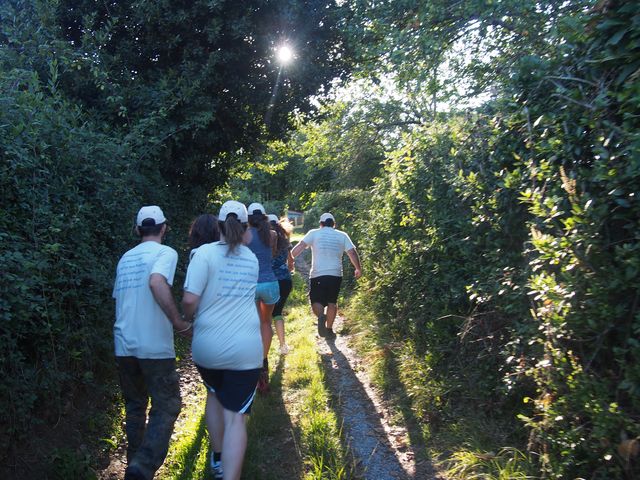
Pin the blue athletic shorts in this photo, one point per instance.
(268, 292)
(235, 389)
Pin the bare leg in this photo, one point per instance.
(332, 310)
(318, 309)
(215, 421)
(266, 330)
(235, 444)
(280, 330)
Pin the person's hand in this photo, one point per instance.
(186, 329)
(357, 273)
(187, 334)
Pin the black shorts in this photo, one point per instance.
(235, 389)
(324, 289)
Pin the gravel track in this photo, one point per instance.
(380, 448)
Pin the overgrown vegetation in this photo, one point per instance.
(508, 265)
(484, 157)
(500, 241)
(106, 107)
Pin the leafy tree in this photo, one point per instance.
(194, 80)
(444, 50)
(338, 147)
(67, 190)
(512, 230)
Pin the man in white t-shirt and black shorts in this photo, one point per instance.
(327, 248)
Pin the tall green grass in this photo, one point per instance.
(460, 441)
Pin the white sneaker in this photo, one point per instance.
(216, 469)
(284, 349)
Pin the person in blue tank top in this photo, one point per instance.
(263, 244)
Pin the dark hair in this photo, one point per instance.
(149, 230)
(204, 229)
(283, 237)
(327, 223)
(233, 231)
(260, 222)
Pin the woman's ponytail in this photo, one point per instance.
(233, 232)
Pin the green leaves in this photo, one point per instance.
(520, 217)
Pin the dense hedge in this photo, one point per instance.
(67, 195)
(507, 269)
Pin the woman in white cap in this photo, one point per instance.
(263, 243)
(219, 293)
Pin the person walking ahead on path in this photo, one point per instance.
(263, 244)
(327, 247)
(143, 335)
(219, 292)
(282, 265)
(204, 229)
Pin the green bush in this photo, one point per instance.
(508, 261)
(66, 204)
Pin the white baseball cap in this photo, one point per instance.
(326, 216)
(256, 206)
(150, 216)
(273, 218)
(233, 207)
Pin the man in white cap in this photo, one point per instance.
(146, 315)
(327, 248)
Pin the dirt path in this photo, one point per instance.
(381, 449)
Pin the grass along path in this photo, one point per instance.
(293, 431)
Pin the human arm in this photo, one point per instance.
(274, 243)
(190, 302)
(355, 261)
(298, 249)
(195, 283)
(290, 261)
(164, 297)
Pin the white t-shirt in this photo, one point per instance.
(327, 247)
(142, 329)
(226, 330)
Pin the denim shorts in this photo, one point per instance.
(268, 292)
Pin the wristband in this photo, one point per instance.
(184, 330)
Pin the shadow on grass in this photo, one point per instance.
(271, 451)
(190, 451)
(363, 430)
(398, 396)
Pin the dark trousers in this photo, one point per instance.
(285, 290)
(148, 442)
